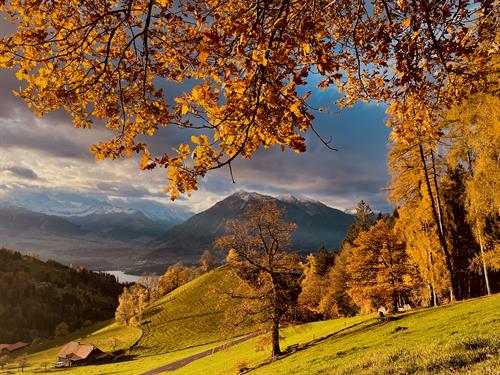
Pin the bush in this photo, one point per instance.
(240, 366)
(62, 329)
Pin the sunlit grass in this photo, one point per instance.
(252, 353)
(191, 315)
(441, 340)
(459, 338)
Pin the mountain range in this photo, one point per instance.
(317, 225)
(67, 205)
(100, 235)
(120, 225)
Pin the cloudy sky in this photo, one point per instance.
(49, 156)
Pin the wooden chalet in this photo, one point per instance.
(75, 354)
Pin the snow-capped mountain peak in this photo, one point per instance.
(248, 196)
(294, 199)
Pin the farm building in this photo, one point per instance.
(9, 348)
(74, 354)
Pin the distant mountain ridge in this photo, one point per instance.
(123, 226)
(317, 225)
(18, 221)
(98, 241)
(63, 204)
(102, 236)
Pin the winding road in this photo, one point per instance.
(187, 360)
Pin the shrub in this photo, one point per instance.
(240, 366)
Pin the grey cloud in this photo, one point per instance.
(22, 172)
(51, 143)
(122, 190)
(356, 171)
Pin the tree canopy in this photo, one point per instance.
(248, 61)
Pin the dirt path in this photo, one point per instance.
(187, 360)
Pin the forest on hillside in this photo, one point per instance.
(37, 297)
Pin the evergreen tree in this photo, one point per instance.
(461, 238)
(323, 261)
(364, 220)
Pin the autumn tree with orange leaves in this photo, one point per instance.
(108, 62)
(379, 269)
(258, 253)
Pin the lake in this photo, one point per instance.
(123, 277)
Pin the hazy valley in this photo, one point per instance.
(105, 237)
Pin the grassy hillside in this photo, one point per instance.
(191, 315)
(463, 336)
(460, 338)
(182, 323)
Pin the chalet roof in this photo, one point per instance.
(76, 351)
(12, 347)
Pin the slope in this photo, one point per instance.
(187, 321)
(191, 315)
(459, 338)
(36, 296)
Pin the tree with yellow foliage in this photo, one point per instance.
(379, 270)
(474, 139)
(175, 276)
(415, 226)
(313, 285)
(108, 62)
(131, 305)
(416, 179)
(336, 301)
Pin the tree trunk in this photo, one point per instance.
(438, 198)
(434, 297)
(433, 279)
(276, 337)
(433, 284)
(485, 269)
(440, 227)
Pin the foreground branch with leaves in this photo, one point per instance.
(247, 62)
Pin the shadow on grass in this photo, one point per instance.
(357, 328)
(148, 314)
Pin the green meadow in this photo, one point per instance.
(461, 338)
